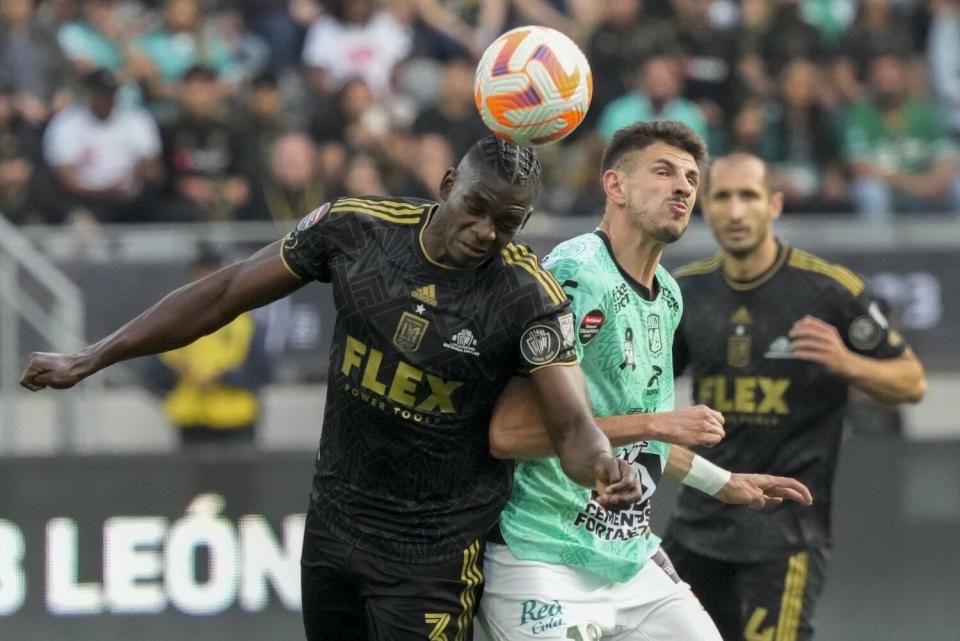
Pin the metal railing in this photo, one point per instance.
(59, 322)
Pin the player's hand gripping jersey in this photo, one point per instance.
(624, 343)
(420, 353)
(783, 415)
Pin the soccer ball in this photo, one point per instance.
(533, 86)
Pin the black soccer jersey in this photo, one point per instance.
(783, 415)
(420, 354)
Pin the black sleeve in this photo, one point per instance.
(680, 354)
(865, 329)
(307, 249)
(548, 340)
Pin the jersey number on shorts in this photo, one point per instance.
(439, 621)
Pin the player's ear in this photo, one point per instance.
(613, 186)
(776, 205)
(446, 183)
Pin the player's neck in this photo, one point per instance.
(750, 266)
(636, 253)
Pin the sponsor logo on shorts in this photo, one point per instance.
(541, 616)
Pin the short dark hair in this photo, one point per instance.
(642, 134)
(515, 164)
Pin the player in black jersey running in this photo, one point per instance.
(437, 309)
(772, 336)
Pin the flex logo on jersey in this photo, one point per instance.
(744, 394)
(409, 386)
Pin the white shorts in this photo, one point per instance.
(543, 601)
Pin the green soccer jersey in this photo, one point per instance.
(624, 343)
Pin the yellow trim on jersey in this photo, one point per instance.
(393, 204)
(423, 248)
(746, 286)
(472, 577)
(526, 260)
(400, 219)
(791, 604)
(379, 206)
(699, 267)
(555, 364)
(808, 262)
(283, 259)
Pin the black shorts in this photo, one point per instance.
(351, 595)
(767, 600)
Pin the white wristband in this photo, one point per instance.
(705, 476)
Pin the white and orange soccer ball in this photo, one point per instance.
(533, 86)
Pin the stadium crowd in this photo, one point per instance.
(209, 110)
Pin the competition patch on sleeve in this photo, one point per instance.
(865, 333)
(590, 325)
(539, 345)
(566, 329)
(313, 217)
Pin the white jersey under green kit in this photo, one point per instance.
(624, 344)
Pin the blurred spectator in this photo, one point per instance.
(23, 196)
(265, 118)
(181, 41)
(353, 116)
(944, 54)
(657, 97)
(356, 39)
(32, 62)
(455, 115)
(771, 35)
(362, 176)
(709, 56)
(292, 185)
(880, 28)
(804, 148)
(900, 150)
(273, 21)
(617, 46)
(206, 158)
(100, 39)
(211, 387)
(461, 28)
(105, 155)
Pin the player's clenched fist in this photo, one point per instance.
(697, 425)
(618, 484)
(46, 369)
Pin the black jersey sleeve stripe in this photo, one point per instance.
(396, 204)
(387, 206)
(699, 267)
(405, 220)
(808, 262)
(511, 257)
(283, 259)
(528, 256)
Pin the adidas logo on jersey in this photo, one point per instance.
(426, 294)
(781, 347)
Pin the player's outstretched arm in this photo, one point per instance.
(564, 404)
(178, 319)
(894, 380)
(753, 490)
(517, 431)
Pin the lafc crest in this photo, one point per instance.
(410, 331)
(739, 343)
